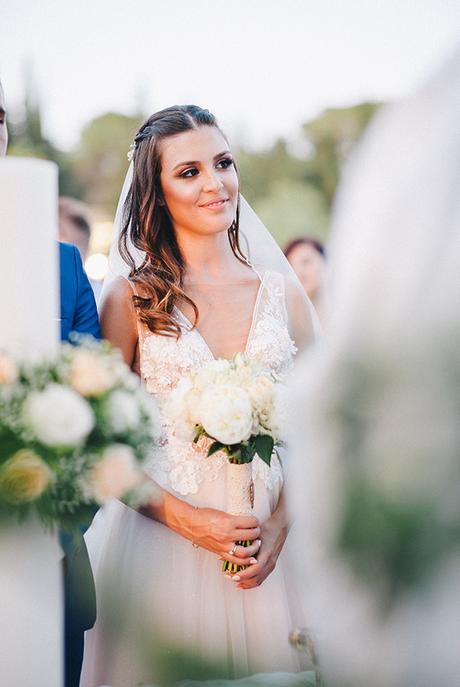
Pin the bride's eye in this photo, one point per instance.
(192, 172)
(225, 162)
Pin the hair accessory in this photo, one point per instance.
(130, 153)
(141, 136)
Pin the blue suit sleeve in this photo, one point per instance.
(85, 320)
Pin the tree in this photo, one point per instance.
(333, 136)
(101, 162)
(27, 140)
(293, 208)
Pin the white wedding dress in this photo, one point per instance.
(173, 593)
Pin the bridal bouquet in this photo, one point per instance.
(235, 407)
(73, 434)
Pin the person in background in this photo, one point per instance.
(308, 260)
(74, 224)
(78, 314)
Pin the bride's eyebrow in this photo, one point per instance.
(191, 163)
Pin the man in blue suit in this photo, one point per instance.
(78, 307)
(79, 314)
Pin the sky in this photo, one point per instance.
(262, 66)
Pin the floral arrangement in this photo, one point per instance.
(378, 504)
(73, 434)
(235, 407)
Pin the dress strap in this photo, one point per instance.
(140, 327)
(132, 285)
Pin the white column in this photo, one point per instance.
(31, 613)
(29, 297)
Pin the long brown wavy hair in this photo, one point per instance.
(147, 224)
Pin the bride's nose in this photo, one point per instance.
(212, 182)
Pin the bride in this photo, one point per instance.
(196, 288)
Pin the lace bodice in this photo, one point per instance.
(164, 360)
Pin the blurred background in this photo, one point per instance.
(293, 83)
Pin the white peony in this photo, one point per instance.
(58, 416)
(91, 374)
(115, 474)
(123, 412)
(8, 369)
(261, 391)
(225, 412)
(215, 373)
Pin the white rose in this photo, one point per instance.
(90, 373)
(226, 413)
(8, 369)
(123, 412)
(58, 416)
(115, 474)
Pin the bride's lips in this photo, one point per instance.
(215, 204)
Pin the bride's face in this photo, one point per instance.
(199, 181)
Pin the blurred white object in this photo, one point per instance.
(30, 568)
(395, 266)
(96, 266)
(31, 607)
(28, 258)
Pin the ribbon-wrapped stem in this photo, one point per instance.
(240, 500)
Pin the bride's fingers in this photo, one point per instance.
(246, 535)
(246, 521)
(241, 555)
(249, 578)
(238, 560)
(248, 551)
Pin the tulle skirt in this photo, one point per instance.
(165, 608)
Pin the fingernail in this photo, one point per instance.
(252, 561)
(258, 541)
(236, 578)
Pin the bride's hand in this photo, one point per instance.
(273, 533)
(208, 528)
(217, 531)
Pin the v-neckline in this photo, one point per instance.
(195, 330)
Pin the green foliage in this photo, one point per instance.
(398, 543)
(262, 444)
(292, 209)
(101, 162)
(28, 140)
(333, 136)
(398, 525)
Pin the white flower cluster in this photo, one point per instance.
(231, 401)
(79, 426)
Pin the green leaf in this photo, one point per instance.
(264, 447)
(216, 446)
